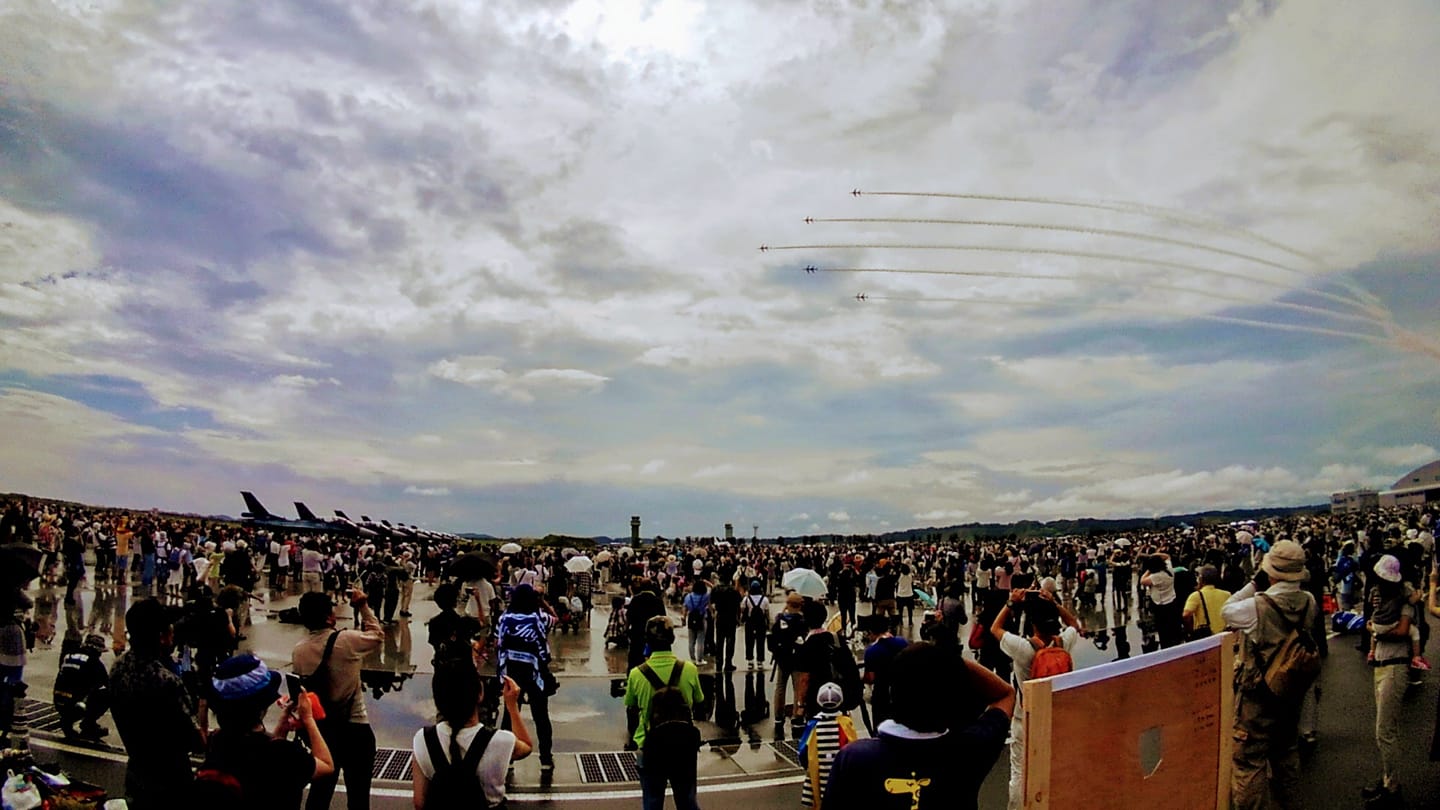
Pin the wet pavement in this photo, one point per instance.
(588, 719)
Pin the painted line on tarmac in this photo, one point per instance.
(602, 795)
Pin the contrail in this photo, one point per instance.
(1079, 254)
(1365, 319)
(1284, 327)
(1157, 212)
(1067, 229)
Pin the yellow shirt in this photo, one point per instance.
(1214, 600)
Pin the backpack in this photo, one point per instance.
(1050, 660)
(668, 685)
(841, 670)
(456, 784)
(784, 640)
(1296, 662)
(319, 683)
(756, 618)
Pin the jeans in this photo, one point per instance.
(697, 640)
(1390, 685)
(352, 745)
(653, 779)
(1017, 762)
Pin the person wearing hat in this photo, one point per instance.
(1394, 642)
(663, 692)
(243, 759)
(787, 633)
(1267, 727)
(827, 732)
(152, 710)
(82, 689)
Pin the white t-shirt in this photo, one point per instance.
(1022, 652)
(1162, 587)
(493, 764)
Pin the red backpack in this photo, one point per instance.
(1051, 659)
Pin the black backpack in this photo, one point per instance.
(670, 684)
(842, 671)
(785, 636)
(456, 784)
(757, 618)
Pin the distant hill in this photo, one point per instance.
(1058, 528)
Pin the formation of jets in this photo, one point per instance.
(341, 525)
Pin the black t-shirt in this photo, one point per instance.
(726, 601)
(954, 766)
(845, 584)
(450, 635)
(272, 773)
(885, 587)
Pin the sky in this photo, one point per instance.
(493, 266)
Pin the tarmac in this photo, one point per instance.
(740, 767)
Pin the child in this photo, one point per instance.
(1394, 593)
(821, 741)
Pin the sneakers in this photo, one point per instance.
(749, 663)
(1419, 662)
(547, 764)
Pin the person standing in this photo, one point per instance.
(787, 633)
(697, 619)
(661, 675)
(1267, 726)
(330, 660)
(880, 651)
(152, 711)
(1392, 619)
(726, 603)
(846, 584)
(523, 653)
(755, 611)
(452, 742)
(407, 581)
(272, 770)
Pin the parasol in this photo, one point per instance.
(510, 548)
(604, 556)
(804, 582)
(473, 566)
(626, 551)
(578, 563)
(925, 598)
(570, 552)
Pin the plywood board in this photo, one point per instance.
(1150, 731)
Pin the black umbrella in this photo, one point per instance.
(472, 566)
(20, 562)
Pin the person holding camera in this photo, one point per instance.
(1045, 614)
(246, 762)
(330, 661)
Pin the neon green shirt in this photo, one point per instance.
(639, 690)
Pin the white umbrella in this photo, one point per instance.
(510, 548)
(604, 556)
(1122, 542)
(804, 582)
(626, 551)
(578, 563)
(569, 552)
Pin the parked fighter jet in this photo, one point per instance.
(263, 518)
(341, 524)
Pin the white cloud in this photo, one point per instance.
(839, 517)
(427, 492)
(943, 514)
(1409, 456)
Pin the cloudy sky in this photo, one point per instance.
(492, 266)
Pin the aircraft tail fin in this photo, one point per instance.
(252, 503)
(341, 515)
(304, 512)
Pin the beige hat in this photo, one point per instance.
(794, 601)
(1285, 562)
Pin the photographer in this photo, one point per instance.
(1044, 614)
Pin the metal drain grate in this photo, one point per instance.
(392, 764)
(608, 768)
(787, 749)
(37, 715)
